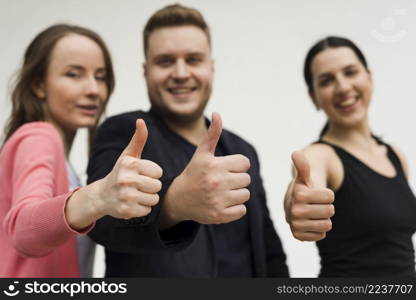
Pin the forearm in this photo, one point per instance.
(37, 227)
(170, 211)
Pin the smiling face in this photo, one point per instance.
(179, 72)
(74, 90)
(342, 86)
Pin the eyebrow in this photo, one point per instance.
(159, 56)
(197, 53)
(350, 66)
(80, 67)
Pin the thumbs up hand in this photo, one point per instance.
(130, 189)
(211, 190)
(308, 207)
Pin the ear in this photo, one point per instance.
(39, 90)
(313, 98)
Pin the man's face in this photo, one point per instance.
(179, 72)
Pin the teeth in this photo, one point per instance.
(181, 90)
(348, 102)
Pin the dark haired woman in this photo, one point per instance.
(350, 192)
(64, 84)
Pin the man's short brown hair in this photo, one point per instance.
(174, 15)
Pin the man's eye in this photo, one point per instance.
(350, 73)
(165, 62)
(194, 60)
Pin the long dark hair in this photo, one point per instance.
(321, 45)
(26, 106)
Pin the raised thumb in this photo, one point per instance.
(212, 137)
(302, 167)
(137, 142)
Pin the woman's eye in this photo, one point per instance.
(72, 75)
(101, 77)
(325, 82)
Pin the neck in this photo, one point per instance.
(193, 131)
(358, 136)
(68, 140)
(67, 137)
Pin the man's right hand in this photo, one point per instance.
(211, 190)
(308, 208)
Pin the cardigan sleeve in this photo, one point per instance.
(36, 222)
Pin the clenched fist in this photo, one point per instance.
(130, 189)
(308, 208)
(211, 190)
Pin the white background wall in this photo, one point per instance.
(259, 48)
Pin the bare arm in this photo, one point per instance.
(403, 160)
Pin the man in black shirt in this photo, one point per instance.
(203, 226)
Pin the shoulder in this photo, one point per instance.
(319, 156)
(319, 152)
(37, 128)
(34, 142)
(236, 141)
(399, 153)
(124, 118)
(325, 164)
(38, 132)
(237, 145)
(402, 159)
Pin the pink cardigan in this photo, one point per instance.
(35, 239)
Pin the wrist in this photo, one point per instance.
(95, 193)
(171, 213)
(77, 210)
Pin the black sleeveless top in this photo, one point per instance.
(375, 218)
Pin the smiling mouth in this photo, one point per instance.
(181, 91)
(88, 109)
(348, 103)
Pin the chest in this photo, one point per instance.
(377, 163)
(368, 201)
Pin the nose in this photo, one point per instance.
(343, 85)
(92, 88)
(181, 70)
